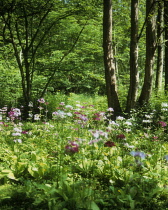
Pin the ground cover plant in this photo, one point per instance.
(81, 159)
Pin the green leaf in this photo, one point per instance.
(94, 206)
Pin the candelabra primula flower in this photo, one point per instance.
(162, 124)
(41, 100)
(72, 147)
(109, 144)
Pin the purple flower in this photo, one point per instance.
(62, 103)
(24, 132)
(109, 144)
(72, 147)
(41, 100)
(163, 124)
(142, 155)
(14, 113)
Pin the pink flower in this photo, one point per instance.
(41, 100)
(72, 147)
(163, 124)
(25, 132)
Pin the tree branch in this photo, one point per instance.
(66, 54)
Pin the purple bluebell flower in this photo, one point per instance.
(142, 155)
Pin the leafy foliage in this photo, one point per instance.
(121, 164)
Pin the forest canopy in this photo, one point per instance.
(50, 46)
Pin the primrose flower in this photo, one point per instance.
(128, 146)
(69, 107)
(41, 100)
(72, 147)
(30, 104)
(18, 140)
(120, 118)
(128, 123)
(94, 141)
(164, 104)
(59, 114)
(14, 113)
(62, 103)
(142, 155)
(16, 134)
(110, 109)
(109, 144)
(18, 130)
(163, 124)
(36, 117)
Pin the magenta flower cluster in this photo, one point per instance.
(72, 147)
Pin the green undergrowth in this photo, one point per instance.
(81, 160)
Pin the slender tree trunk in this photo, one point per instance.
(109, 64)
(134, 74)
(150, 51)
(166, 44)
(160, 52)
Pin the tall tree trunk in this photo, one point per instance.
(134, 74)
(150, 51)
(109, 64)
(160, 49)
(166, 44)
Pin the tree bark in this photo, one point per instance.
(109, 64)
(166, 44)
(150, 51)
(134, 74)
(160, 48)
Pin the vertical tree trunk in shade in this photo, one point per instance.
(166, 44)
(160, 48)
(150, 51)
(134, 74)
(109, 64)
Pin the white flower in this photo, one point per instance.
(146, 121)
(78, 105)
(129, 146)
(36, 117)
(18, 130)
(18, 140)
(110, 109)
(69, 106)
(16, 112)
(30, 104)
(128, 123)
(164, 104)
(69, 114)
(120, 118)
(16, 134)
(62, 103)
